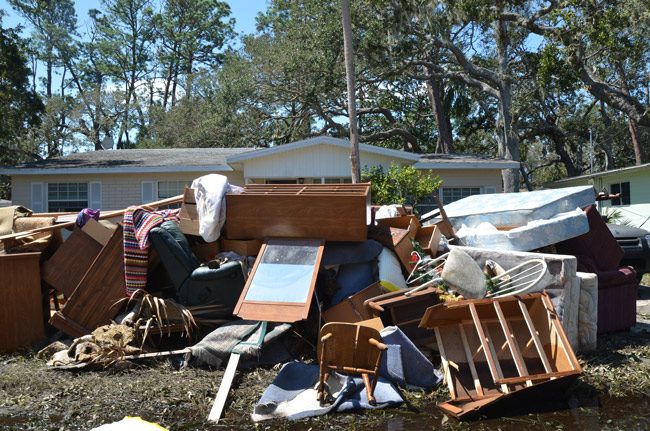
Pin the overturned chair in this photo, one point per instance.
(195, 284)
(349, 348)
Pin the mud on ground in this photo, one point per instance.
(33, 397)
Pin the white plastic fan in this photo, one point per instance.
(519, 279)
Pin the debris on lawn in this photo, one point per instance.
(356, 301)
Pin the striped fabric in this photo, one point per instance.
(137, 224)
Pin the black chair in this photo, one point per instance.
(196, 284)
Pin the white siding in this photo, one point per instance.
(315, 161)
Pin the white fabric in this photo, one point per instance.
(387, 211)
(210, 193)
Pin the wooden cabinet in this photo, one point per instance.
(325, 211)
(21, 309)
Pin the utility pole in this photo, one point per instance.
(352, 104)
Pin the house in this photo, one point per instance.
(633, 183)
(115, 179)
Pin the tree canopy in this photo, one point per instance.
(562, 86)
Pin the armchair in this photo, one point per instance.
(195, 284)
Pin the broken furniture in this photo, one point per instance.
(92, 303)
(565, 286)
(497, 352)
(326, 211)
(404, 309)
(21, 310)
(281, 284)
(349, 348)
(67, 266)
(196, 284)
(351, 309)
(598, 252)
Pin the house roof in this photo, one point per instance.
(137, 160)
(318, 140)
(219, 159)
(460, 161)
(422, 161)
(629, 169)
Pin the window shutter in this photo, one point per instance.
(148, 191)
(38, 204)
(489, 190)
(95, 195)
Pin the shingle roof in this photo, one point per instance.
(454, 161)
(140, 158)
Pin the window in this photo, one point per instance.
(67, 197)
(624, 190)
(169, 189)
(337, 180)
(452, 194)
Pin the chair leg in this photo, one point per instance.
(321, 390)
(370, 389)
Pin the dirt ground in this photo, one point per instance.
(33, 397)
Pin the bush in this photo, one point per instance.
(400, 185)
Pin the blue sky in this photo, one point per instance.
(244, 12)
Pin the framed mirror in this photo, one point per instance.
(281, 284)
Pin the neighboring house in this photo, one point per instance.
(115, 179)
(633, 183)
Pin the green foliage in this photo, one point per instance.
(400, 185)
(614, 216)
(19, 105)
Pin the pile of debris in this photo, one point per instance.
(355, 300)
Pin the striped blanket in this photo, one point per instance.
(138, 222)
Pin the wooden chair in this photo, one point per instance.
(349, 348)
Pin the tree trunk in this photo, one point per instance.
(608, 141)
(509, 143)
(631, 123)
(352, 105)
(445, 140)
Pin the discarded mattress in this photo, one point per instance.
(517, 209)
(531, 236)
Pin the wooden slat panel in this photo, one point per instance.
(535, 336)
(92, 302)
(512, 343)
(445, 364)
(487, 349)
(470, 360)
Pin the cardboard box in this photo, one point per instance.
(243, 247)
(188, 215)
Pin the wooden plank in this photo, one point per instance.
(489, 356)
(224, 388)
(494, 355)
(512, 343)
(535, 377)
(92, 302)
(21, 312)
(445, 364)
(470, 361)
(66, 268)
(535, 335)
(559, 331)
(105, 215)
